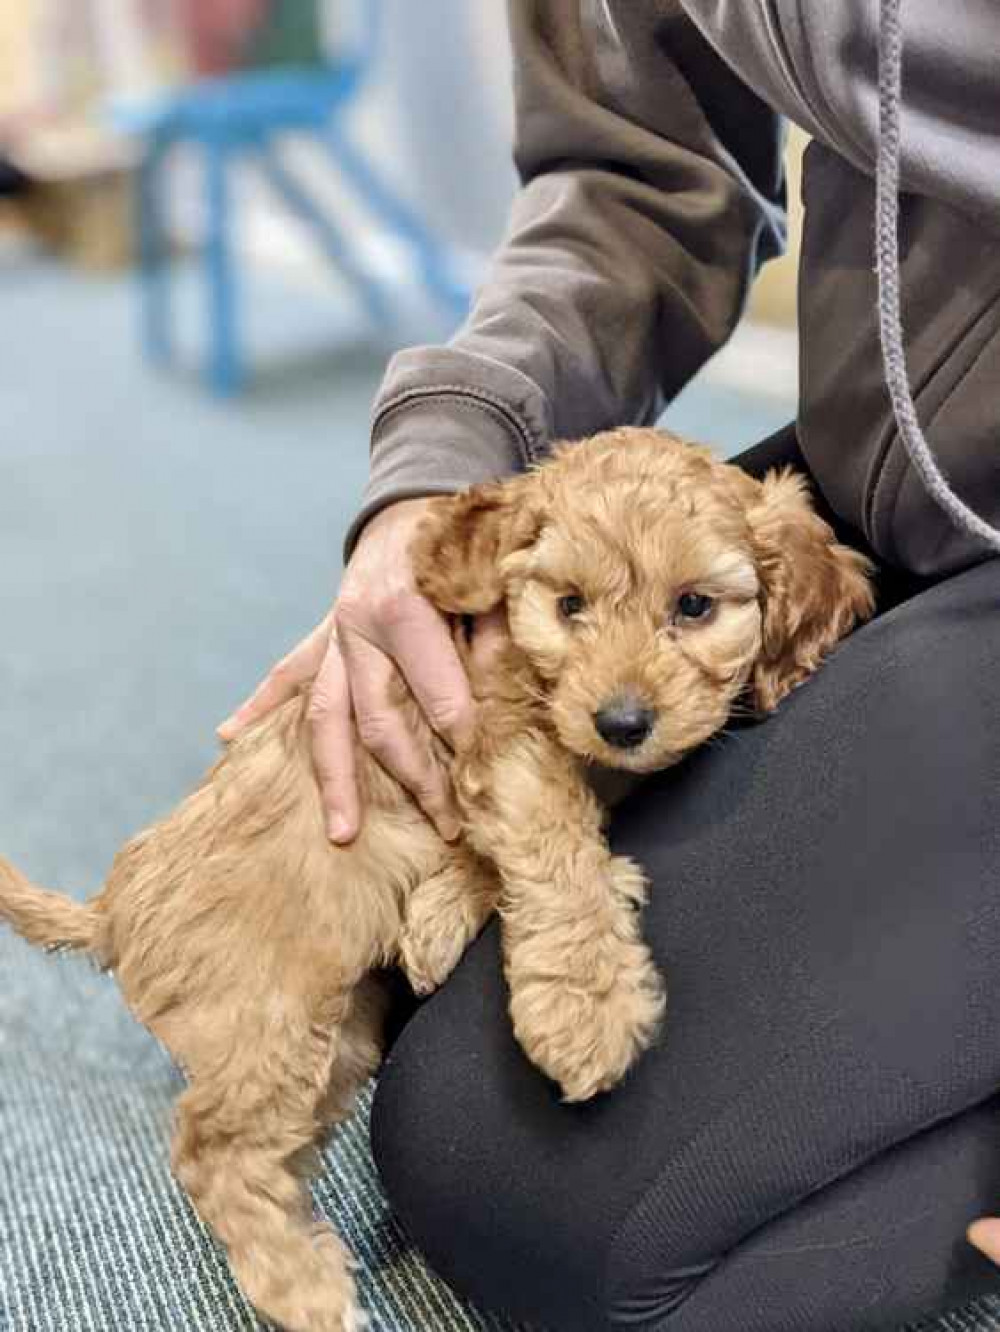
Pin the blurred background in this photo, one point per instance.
(218, 218)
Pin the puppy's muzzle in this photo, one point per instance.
(624, 722)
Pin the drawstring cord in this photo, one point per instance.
(890, 89)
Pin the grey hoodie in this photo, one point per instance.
(649, 138)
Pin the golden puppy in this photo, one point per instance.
(647, 588)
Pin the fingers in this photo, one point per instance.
(985, 1235)
(281, 683)
(384, 731)
(380, 628)
(329, 715)
(416, 636)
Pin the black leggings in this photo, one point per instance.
(805, 1146)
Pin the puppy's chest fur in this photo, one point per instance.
(512, 710)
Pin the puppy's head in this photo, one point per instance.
(649, 585)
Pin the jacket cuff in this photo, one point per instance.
(446, 420)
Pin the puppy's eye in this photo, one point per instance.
(571, 605)
(693, 606)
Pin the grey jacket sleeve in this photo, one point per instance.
(652, 188)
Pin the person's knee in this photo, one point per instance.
(481, 1161)
(421, 1151)
(518, 1233)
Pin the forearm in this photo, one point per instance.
(630, 249)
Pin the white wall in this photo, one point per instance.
(444, 104)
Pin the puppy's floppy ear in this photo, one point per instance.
(460, 547)
(814, 588)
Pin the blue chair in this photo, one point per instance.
(245, 114)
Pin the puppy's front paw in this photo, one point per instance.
(586, 1028)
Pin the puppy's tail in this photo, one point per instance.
(45, 919)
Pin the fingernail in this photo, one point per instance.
(450, 829)
(228, 728)
(338, 829)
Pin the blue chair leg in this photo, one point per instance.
(154, 254)
(329, 236)
(402, 219)
(224, 371)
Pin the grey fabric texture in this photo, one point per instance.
(981, 1317)
(887, 262)
(649, 140)
(652, 188)
(817, 64)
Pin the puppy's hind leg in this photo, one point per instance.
(244, 1140)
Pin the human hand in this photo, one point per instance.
(379, 628)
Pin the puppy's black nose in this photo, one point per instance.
(624, 722)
